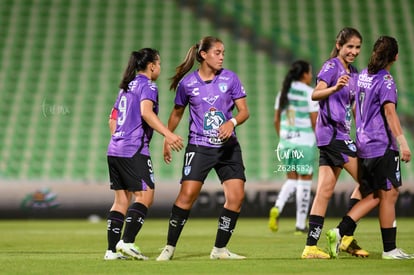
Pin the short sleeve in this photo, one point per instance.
(181, 97)
(388, 90)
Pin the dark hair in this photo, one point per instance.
(295, 73)
(343, 37)
(138, 61)
(384, 52)
(193, 54)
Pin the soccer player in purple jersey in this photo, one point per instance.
(132, 122)
(211, 92)
(378, 133)
(335, 91)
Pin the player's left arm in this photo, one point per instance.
(112, 120)
(242, 110)
(396, 129)
(227, 128)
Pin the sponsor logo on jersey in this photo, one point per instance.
(210, 99)
(213, 119)
(216, 140)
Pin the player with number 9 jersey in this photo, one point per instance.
(132, 133)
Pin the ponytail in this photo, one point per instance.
(384, 52)
(193, 54)
(184, 67)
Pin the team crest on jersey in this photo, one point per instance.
(223, 87)
(210, 99)
(187, 170)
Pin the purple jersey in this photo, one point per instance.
(132, 133)
(335, 112)
(211, 104)
(373, 133)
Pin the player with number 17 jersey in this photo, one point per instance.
(212, 103)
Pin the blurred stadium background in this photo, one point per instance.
(61, 62)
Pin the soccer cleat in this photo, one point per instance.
(224, 254)
(130, 249)
(167, 253)
(300, 232)
(334, 239)
(274, 219)
(350, 245)
(314, 252)
(109, 255)
(396, 254)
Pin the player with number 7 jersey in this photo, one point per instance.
(378, 132)
(373, 136)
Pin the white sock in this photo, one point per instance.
(288, 188)
(303, 192)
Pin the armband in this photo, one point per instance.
(114, 114)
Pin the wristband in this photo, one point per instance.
(234, 121)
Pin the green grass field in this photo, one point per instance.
(78, 246)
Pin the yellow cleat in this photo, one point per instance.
(314, 252)
(349, 245)
(274, 219)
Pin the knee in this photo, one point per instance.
(325, 194)
(235, 199)
(145, 197)
(185, 200)
(120, 206)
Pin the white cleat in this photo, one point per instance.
(109, 255)
(396, 254)
(224, 254)
(130, 249)
(167, 253)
